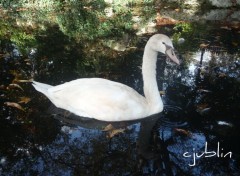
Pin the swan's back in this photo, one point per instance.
(98, 98)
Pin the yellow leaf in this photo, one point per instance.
(14, 105)
(115, 132)
(111, 131)
(109, 127)
(24, 100)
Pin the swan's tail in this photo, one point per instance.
(43, 88)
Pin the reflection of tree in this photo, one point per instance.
(151, 148)
(21, 142)
(55, 55)
(220, 77)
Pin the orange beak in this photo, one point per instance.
(172, 56)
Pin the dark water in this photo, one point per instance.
(201, 97)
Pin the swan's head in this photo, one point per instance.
(163, 44)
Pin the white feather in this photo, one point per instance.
(108, 100)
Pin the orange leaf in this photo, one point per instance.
(24, 100)
(182, 131)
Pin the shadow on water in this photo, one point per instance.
(151, 154)
(198, 127)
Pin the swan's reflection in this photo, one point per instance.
(151, 153)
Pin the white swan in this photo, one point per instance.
(112, 101)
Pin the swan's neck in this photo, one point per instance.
(149, 79)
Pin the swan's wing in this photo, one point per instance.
(99, 98)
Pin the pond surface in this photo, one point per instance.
(196, 134)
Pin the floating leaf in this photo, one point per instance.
(202, 106)
(204, 45)
(109, 128)
(222, 75)
(10, 86)
(162, 92)
(182, 131)
(28, 63)
(204, 91)
(224, 123)
(27, 60)
(23, 81)
(14, 105)
(235, 43)
(226, 27)
(24, 100)
(115, 132)
(204, 111)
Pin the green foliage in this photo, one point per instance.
(16, 34)
(81, 20)
(192, 33)
(88, 21)
(184, 27)
(181, 29)
(21, 39)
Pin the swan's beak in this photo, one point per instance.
(171, 55)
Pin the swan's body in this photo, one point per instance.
(112, 101)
